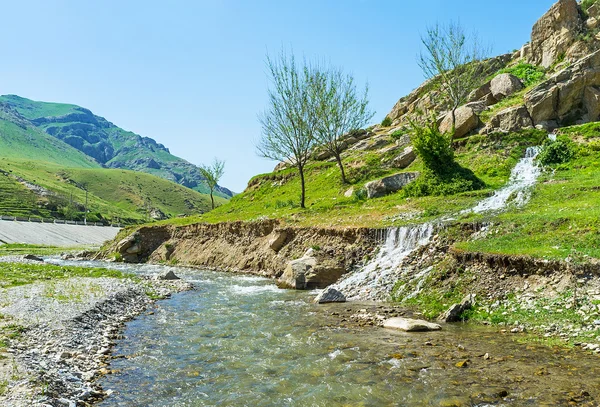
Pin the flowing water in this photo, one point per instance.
(240, 341)
(376, 280)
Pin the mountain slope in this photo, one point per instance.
(20, 139)
(108, 144)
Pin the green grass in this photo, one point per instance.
(17, 249)
(562, 218)
(118, 195)
(275, 195)
(14, 274)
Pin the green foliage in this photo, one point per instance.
(386, 122)
(529, 74)
(397, 135)
(290, 203)
(455, 179)
(433, 147)
(586, 4)
(359, 195)
(556, 152)
(586, 131)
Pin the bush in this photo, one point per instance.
(397, 135)
(455, 180)
(387, 122)
(433, 147)
(359, 195)
(529, 74)
(556, 152)
(585, 4)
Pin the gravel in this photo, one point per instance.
(70, 328)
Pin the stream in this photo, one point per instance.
(238, 340)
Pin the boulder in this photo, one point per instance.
(393, 183)
(349, 192)
(411, 325)
(541, 103)
(328, 295)
(454, 313)
(32, 257)
(511, 119)
(308, 273)
(466, 121)
(169, 275)
(592, 23)
(405, 158)
(126, 243)
(478, 106)
(480, 92)
(504, 85)
(135, 249)
(277, 240)
(554, 33)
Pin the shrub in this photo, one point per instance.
(455, 180)
(387, 122)
(585, 4)
(359, 195)
(556, 152)
(529, 74)
(433, 147)
(397, 135)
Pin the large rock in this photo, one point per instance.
(393, 183)
(568, 96)
(591, 101)
(308, 273)
(328, 295)
(554, 33)
(405, 158)
(504, 85)
(466, 121)
(508, 120)
(411, 325)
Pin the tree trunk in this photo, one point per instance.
(339, 161)
(212, 200)
(303, 193)
(453, 120)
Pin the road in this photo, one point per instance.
(55, 234)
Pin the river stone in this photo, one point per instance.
(169, 275)
(453, 314)
(32, 257)
(411, 325)
(328, 295)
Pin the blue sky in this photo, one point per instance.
(191, 73)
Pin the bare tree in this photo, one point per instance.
(453, 58)
(212, 174)
(339, 109)
(288, 123)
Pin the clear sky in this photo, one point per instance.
(191, 74)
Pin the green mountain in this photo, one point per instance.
(109, 145)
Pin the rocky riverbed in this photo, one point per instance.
(62, 332)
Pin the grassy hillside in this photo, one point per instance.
(20, 139)
(108, 144)
(117, 195)
(275, 195)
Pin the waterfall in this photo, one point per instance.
(518, 190)
(375, 280)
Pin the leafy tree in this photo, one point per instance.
(433, 146)
(339, 109)
(213, 173)
(288, 123)
(453, 59)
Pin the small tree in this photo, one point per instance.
(453, 59)
(339, 109)
(213, 173)
(288, 123)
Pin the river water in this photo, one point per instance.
(237, 340)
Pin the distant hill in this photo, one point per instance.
(108, 145)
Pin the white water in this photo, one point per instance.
(376, 280)
(518, 190)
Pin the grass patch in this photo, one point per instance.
(17, 249)
(14, 274)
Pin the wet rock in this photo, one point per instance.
(329, 295)
(169, 275)
(454, 313)
(411, 325)
(33, 257)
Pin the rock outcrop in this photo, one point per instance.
(311, 271)
(455, 312)
(404, 159)
(511, 119)
(554, 34)
(569, 96)
(504, 85)
(387, 185)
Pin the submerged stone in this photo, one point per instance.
(328, 295)
(411, 325)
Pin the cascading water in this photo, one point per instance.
(375, 280)
(518, 189)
